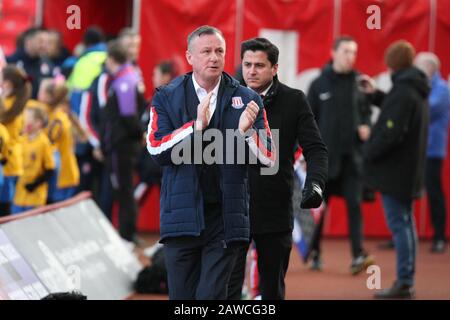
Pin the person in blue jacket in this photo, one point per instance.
(439, 103)
(204, 206)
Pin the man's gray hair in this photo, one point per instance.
(430, 58)
(201, 31)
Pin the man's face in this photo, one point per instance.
(111, 65)
(257, 70)
(133, 45)
(52, 44)
(344, 56)
(207, 57)
(159, 78)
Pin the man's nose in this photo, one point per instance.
(214, 57)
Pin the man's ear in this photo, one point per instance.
(189, 57)
(274, 69)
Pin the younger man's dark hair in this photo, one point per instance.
(261, 44)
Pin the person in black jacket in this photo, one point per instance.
(122, 134)
(396, 157)
(343, 115)
(30, 57)
(271, 209)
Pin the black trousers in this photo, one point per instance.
(120, 165)
(349, 186)
(436, 198)
(199, 268)
(273, 251)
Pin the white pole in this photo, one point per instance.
(136, 19)
(39, 13)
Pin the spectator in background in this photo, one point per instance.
(343, 115)
(55, 50)
(396, 155)
(131, 40)
(439, 103)
(4, 142)
(87, 68)
(16, 92)
(150, 171)
(53, 93)
(89, 65)
(31, 57)
(121, 134)
(163, 73)
(38, 163)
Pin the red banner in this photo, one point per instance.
(165, 25)
(110, 15)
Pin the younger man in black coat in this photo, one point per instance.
(271, 218)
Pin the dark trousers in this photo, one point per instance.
(120, 167)
(273, 251)
(106, 194)
(90, 174)
(349, 186)
(436, 198)
(200, 267)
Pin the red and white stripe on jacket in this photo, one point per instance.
(259, 147)
(157, 146)
(85, 119)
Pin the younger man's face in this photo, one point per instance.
(257, 70)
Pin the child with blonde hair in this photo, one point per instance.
(53, 93)
(16, 92)
(32, 186)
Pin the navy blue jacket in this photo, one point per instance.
(172, 118)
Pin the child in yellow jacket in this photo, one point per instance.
(16, 91)
(32, 186)
(65, 180)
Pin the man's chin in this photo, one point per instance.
(213, 74)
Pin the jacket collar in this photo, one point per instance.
(273, 91)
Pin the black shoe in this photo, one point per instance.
(438, 246)
(361, 263)
(316, 261)
(388, 245)
(397, 291)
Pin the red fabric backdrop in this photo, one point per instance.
(110, 15)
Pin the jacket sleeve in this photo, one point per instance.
(314, 149)
(439, 102)
(88, 109)
(162, 136)
(377, 98)
(313, 100)
(391, 128)
(260, 141)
